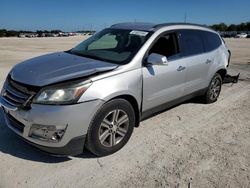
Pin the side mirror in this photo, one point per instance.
(157, 59)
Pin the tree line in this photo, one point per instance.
(244, 26)
(14, 33)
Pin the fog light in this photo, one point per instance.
(51, 133)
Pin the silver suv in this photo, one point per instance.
(96, 93)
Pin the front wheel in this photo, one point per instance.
(214, 89)
(111, 127)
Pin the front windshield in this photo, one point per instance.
(112, 45)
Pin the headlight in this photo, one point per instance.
(61, 95)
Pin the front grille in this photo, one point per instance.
(18, 94)
(15, 123)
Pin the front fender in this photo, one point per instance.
(126, 83)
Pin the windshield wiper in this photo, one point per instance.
(86, 55)
(93, 57)
(74, 52)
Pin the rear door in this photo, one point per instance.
(214, 54)
(197, 62)
(164, 83)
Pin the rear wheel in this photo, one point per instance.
(214, 89)
(111, 127)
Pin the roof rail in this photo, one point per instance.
(179, 23)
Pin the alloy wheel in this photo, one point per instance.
(113, 128)
(215, 89)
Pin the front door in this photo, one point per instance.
(164, 83)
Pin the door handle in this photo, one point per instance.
(181, 68)
(208, 61)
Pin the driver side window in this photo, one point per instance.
(167, 45)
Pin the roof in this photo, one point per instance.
(134, 26)
(150, 26)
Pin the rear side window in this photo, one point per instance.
(211, 41)
(191, 42)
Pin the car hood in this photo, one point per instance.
(57, 67)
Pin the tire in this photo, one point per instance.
(213, 90)
(111, 127)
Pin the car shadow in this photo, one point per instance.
(11, 144)
(87, 155)
(195, 100)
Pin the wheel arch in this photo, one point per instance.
(222, 73)
(134, 104)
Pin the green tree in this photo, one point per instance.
(232, 27)
(222, 27)
(12, 33)
(219, 27)
(242, 27)
(56, 31)
(3, 32)
(248, 26)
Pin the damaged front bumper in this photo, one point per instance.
(55, 129)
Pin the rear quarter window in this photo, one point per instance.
(211, 41)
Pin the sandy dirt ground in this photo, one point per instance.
(191, 145)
